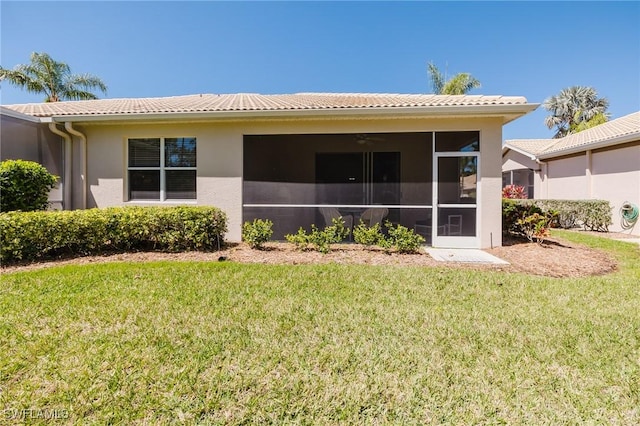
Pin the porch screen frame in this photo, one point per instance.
(456, 241)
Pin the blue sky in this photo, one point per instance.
(147, 49)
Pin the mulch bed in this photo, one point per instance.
(554, 258)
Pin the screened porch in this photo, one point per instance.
(299, 180)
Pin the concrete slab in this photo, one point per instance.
(464, 255)
(629, 240)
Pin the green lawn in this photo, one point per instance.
(224, 343)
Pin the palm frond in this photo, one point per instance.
(571, 107)
(53, 79)
(87, 81)
(436, 77)
(460, 84)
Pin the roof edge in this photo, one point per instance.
(518, 150)
(19, 115)
(506, 111)
(630, 137)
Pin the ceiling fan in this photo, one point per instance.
(367, 139)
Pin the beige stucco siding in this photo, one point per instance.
(616, 177)
(513, 160)
(220, 163)
(567, 180)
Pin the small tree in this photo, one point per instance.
(24, 185)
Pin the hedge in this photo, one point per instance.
(33, 235)
(593, 215)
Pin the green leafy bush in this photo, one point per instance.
(319, 240)
(400, 238)
(592, 215)
(535, 227)
(24, 186)
(33, 235)
(526, 219)
(257, 232)
(368, 236)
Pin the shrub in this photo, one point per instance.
(368, 236)
(593, 215)
(257, 233)
(526, 219)
(514, 192)
(400, 238)
(403, 239)
(33, 235)
(535, 227)
(24, 186)
(319, 240)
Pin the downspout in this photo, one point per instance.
(68, 167)
(83, 160)
(545, 182)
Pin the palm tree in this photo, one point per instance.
(574, 109)
(460, 84)
(53, 79)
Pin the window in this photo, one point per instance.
(458, 141)
(162, 169)
(521, 177)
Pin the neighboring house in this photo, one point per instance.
(23, 137)
(598, 163)
(433, 161)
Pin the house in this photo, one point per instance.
(598, 163)
(24, 137)
(432, 161)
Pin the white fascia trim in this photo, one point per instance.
(519, 151)
(591, 146)
(419, 112)
(15, 114)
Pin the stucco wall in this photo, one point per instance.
(566, 179)
(26, 140)
(616, 177)
(219, 159)
(513, 160)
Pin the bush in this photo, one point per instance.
(33, 235)
(368, 236)
(535, 227)
(257, 233)
(24, 186)
(400, 238)
(403, 239)
(525, 219)
(514, 192)
(593, 215)
(319, 240)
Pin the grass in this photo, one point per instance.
(224, 343)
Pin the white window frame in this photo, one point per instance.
(162, 169)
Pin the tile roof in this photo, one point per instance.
(625, 128)
(531, 146)
(256, 102)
